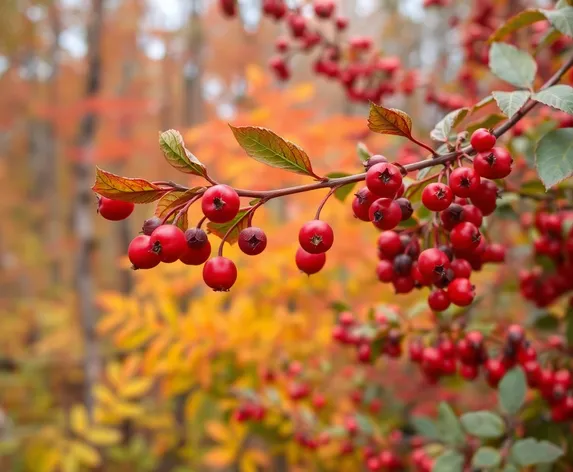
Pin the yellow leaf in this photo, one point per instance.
(389, 121)
(78, 419)
(104, 395)
(127, 410)
(114, 374)
(70, 463)
(247, 464)
(135, 388)
(217, 431)
(85, 454)
(101, 436)
(219, 457)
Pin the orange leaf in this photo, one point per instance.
(123, 188)
(389, 121)
(219, 457)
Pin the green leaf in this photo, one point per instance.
(510, 468)
(178, 156)
(558, 96)
(220, 229)
(488, 122)
(363, 153)
(269, 148)
(563, 3)
(516, 22)
(512, 390)
(125, 189)
(554, 156)
(449, 426)
(442, 130)
(483, 424)
(449, 461)
(389, 121)
(486, 457)
(530, 451)
(512, 65)
(561, 19)
(425, 427)
(482, 103)
(510, 102)
(342, 192)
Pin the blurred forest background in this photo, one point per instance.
(152, 360)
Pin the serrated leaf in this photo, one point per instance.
(512, 390)
(126, 189)
(178, 156)
(554, 157)
(363, 153)
(269, 148)
(561, 19)
(521, 20)
(442, 130)
(342, 192)
(425, 427)
(486, 457)
(220, 229)
(558, 96)
(389, 121)
(511, 102)
(530, 451)
(482, 103)
(449, 425)
(512, 65)
(483, 424)
(488, 122)
(449, 461)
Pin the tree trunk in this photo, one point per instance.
(192, 69)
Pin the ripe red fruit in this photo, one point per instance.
(361, 203)
(473, 214)
(385, 213)
(403, 284)
(461, 292)
(364, 353)
(390, 244)
(282, 45)
(140, 254)
(482, 140)
(495, 164)
(494, 253)
(452, 216)
(464, 182)
(465, 237)
(228, 7)
(196, 255)
(437, 196)
(438, 300)
(114, 210)
(220, 273)
(486, 198)
(168, 242)
(462, 269)
(150, 225)
(316, 237)
(324, 8)
(433, 264)
(373, 160)
(469, 371)
(220, 203)
(297, 25)
(495, 370)
(341, 23)
(279, 67)
(384, 180)
(309, 263)
(385, 271)
(405, 207)
(252, 241)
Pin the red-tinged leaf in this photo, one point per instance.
(220, 229)
(125, 189)
(389, 121)
(267, 147)
(176, 199)
(521, 20)
(178, 156)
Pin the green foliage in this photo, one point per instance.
(530, 451)
(512, 65)
(442, 130)
(486, 457)
(449, 426)
(512, 390)
(449, 461)
(554, 157)
(510, 102)
(557, 96)
(483, 424)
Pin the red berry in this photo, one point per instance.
(385, 271)
(494, 253)
(462, 268)
(433, 264)
(196, 238)
(309, 263)
(469, 371)
(114, 210)
(465, 237)
(140, 253)
(452, 216)
(282, 45)
(495, 370)
(220, 273)
(361, 203)
(473, 214)
(364, 353)
(252, 241)
(416, 351)
(437, 197)
(196, 255)
(464, 182)
(168, 242)
(493, 165)
(438, 300)
(220, 203)
(279, 67)
(316, 237)
(228, 7)
(461, 292)
(405, 207)
(373, 160)
(384, 180)
(482, 140)
(432, 360)
(390, 244)
(150, 225)
(324, 8)
(297, 25)
(341, 23)
(403, 284)
(385, 213)
(486, 197)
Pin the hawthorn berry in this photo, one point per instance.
(279, 67)
(323, 8)
(464, 182)
(438, 300)
(495, 164)
(341, 23)
(114, 210)
(252, 241)
(297, 25)
(473, 214)
(465, 237)
(219, 273)
(405, 207)
(140, 254)
(469, 371)
(482, 140)
(228, 7)
(363, 199)
(495, 370)
(462, 269)
(461, 292)
(168, 242)
(433, 264)
(402, 265)
(220, 203)
(383, 180)
(150, 225)
(196, 255)
(385, 271)
(452, 216)
(373, 160)
(309, 263)
(385, 213)
(437, 196)
(403, 284)
(316, 236)
(486, 197)
(390, 244)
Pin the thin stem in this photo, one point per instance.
(249, 212)
(184, 210)
(425, 146)
(201, 221)
(324, 200)
(180, 207)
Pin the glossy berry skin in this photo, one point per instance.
(437, 197)
(403, 284)
(384, 180)
(495, 164)
(220, 273)
(452, 216)
(473, 214)
(461, 292)
(220, 203)
(482, 140)
(309, 263)
(385, 214)
(462, 269)
(140, 254)
(196, 255)
(464, 182)
(168, 241)
(433, 264)
(361, 203)
(323, 8)
(486, 197)
(385, 271)
(373, 160)
(438, 300)
(405, 207)
(316, 237)
(150, 225)
(390, 244)
(465, 237)
(114, 210)
(252, 241)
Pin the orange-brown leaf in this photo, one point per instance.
(389, 121)
(123, 188)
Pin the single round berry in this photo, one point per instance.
(433, 264)
(220, 203)
(150, 225)
(494, 253)
(297, 25)
(464, 182)
(385, 271)
(465, 237)
(252, 241)
(361, 203)
(385, 213)
(482, 140)
(495, 370)
(316, 237)
(114, 210)
(390, 244)
(438, 300)
(196, 238)
(168, 241)
(220, 273)
(495, 164)
(403, 284)
(140, 254)
(461, 292)
(473, 214)
(469, 371)
(196, 255)
(309, 263)
(341, 23)
(384, 180)
(437, 196)
(462, 269)
(452, 216)
(486, 198)
(373, 160)
(324, 8)
(406, 208)
(402, 265)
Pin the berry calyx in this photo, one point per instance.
(482, 140)
(384, 180)
(140, 254)
(464, 182)
(433, 264)
(495, 164)
(168, 242)
(309, 263)
(220, 203)
(114, 210)
(252, 241)
(437, 196)
(385, 213)
(316, 237)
